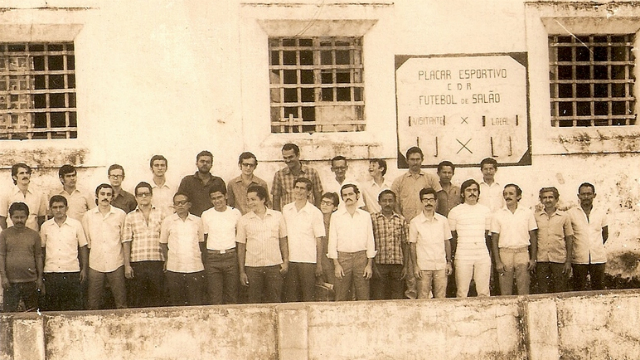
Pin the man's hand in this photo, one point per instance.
(405, 271)
(338, 271)
(449, 269)
(83, 276)
(417, 273)
(40, 286)
(567, 268)
(284, 267)
(244, 279)
(500, 267)
(5, 283)
(128, 272)
(532, 264)
(319, 271)
(368, 272)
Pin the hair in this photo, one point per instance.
(204, 153)
(446, 163)
(305, 181)
(247, 155)
(355, 188)
(291, 146)
(414, 150)
(143, 184)
(115, 167)
(259, 190)
(158, 158)
(386, 192)
(429, 190)
(18, 206)
(14, 170)
(518, 190)
(550, 189)
(333, 197)
(103, 186)
(586, 184)
(180, 193)
(489, 161)
(465, 185)
(338, 158)
(66, 169)
(381, 163)
(218, 188)
(58, 199)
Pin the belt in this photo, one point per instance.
(221, 251)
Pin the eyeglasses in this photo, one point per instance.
(328, 203)
(248, 165)
(116, 176)
(146, 194)
(181, 203)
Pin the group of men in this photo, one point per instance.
(209, 242)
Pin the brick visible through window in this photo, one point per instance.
(591, 79)
(316, 84)
(37, 91)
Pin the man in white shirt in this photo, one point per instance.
(490, 189)
(372, 188)
(22, 192)
(162, 191)
(339, 167)
(79, 201)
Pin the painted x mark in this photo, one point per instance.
(464, 120)
(464, 146)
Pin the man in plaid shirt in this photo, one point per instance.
(142, 232)
(284, 179)
(390, 234)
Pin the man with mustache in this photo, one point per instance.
(470, 223)
(22, 192)
(283, 180)
(197, 186)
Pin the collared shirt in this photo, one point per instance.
(588, 244)
(79, 203)
(429, 236)
(144, 236)
(35, 200)
(513, 227)
(552, 231)
(183, 238)
(370, 191)
(61, 243)
(471, 223)
(163, 197)
(220, 227)
(21, 251)
(351, 233)
(303, 228)
(491, 196)
(447, 200)
(334, 186)
(124, 201)
(407, 188)
(104, 234)
(283, 182)
(389, 235)
(237, 192)
(262, 236)
(198, 192)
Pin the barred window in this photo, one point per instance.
(591, 79)
(37, 91)
(316, 84)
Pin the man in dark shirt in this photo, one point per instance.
(123, 200)
(197, 186)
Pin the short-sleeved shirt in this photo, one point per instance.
(237, 192)
(336, 187)
(552, 231)
(79, 203)
(303, 228)
(35, 200)
(429, 236)
(447, 200)
(124, 201)
(104, 234)
(390, 234)
(407, 188)
(21, 250)
(183, 238)
(471, 223)
(491, 196)
(351, 233)
(144, 235)
(588, 244)
(283, 182)
(262, 237)
(163, 197)
(61, 243)
(198, 192)
(513, 227)
(370, 191)
(220, 227)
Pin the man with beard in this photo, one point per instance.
(283, 180)
(197, 186)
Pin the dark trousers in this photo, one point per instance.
(300, 283)
(595, 271)
(550, 277)
(222, 277)
(25, 291)
(185, 288)
(146, 288)
(96, 288)
(353, 265)
(265, 284)
(387, 282)
(63, 291)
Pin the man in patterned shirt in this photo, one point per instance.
(283, 181)
(390, 263)
(142, 234)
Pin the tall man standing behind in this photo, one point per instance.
(79, 202)
(122, 199)
(491, 190)
(591, 231)
(449, 196)
(339, 168)
(162, 191)
(22, 192)
(283, 181)
(378, 183)
(197, 186)
(237, 188)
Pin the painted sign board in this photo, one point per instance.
(464, 108)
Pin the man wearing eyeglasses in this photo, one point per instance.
(121, 199)
(237, 188)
